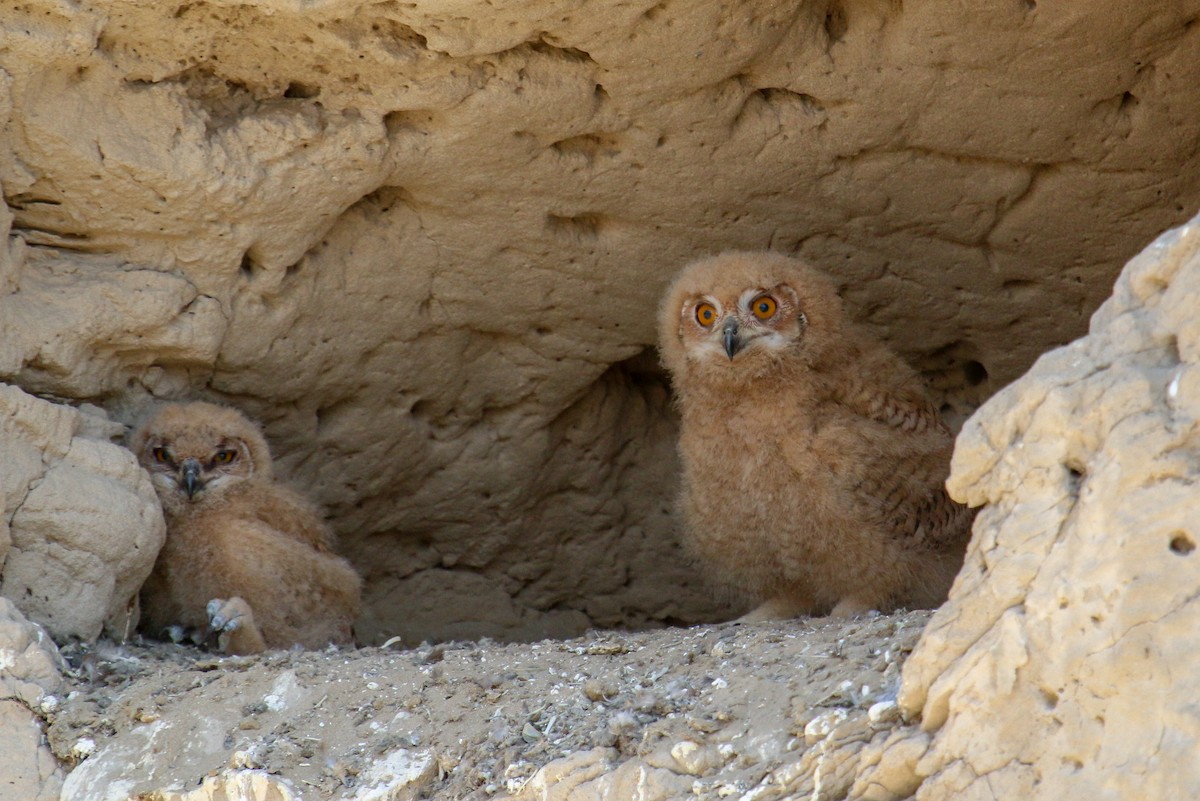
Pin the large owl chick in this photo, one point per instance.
(813, 458)
(246, 559)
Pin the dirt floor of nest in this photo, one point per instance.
(487, 715)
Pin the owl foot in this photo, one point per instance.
(179, 634)
(850, 607)
(233, 622)
(781, 607)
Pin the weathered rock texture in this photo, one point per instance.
(80, 524)
(1060, 666)
(29, 672)
(424, 242)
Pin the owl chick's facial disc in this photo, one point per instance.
(757, 318)
(192, 471)
(192, 450)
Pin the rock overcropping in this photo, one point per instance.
(1058, 667)
(80, 525)
(29, 675)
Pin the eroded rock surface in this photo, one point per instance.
(80, 525)
(29, 674)
(424, 242)
(1059, 666)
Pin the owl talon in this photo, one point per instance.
(779, 608)
(226, 615)
(850, 608)
(232, 620)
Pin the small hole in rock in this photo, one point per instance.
(975, 373)
(1182, 544)
(836, 22)
(303, 91)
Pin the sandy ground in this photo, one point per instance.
(473, 720)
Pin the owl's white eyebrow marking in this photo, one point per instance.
(746, 297)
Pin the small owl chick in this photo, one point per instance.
(814, 461)
(245, 558)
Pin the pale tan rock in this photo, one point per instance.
(887, 767)
(568, 778)
(636, 779)
(12, 249)
(593, 776)
(826, 770)
(29, 661)
(1058, 669)
(394, 777)
(28, 769)
(423, 242)
(73, 329)
(29, 672)
(400, 775)
(83, 521)
(243, 785)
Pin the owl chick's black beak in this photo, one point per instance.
(733, 343)
(190, 472)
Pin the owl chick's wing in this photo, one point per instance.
(907, 496)
(288, 513)
(888, 455)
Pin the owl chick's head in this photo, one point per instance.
(739, 316)
(195, 452)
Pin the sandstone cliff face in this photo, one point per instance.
(424, 242)
(80, 525)
(1058, 667)
(29, 672)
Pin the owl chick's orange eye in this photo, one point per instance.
(160, 455)
(764, 307)
(224, 456)
(706, 314)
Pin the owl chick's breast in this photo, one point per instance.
(743, 502)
